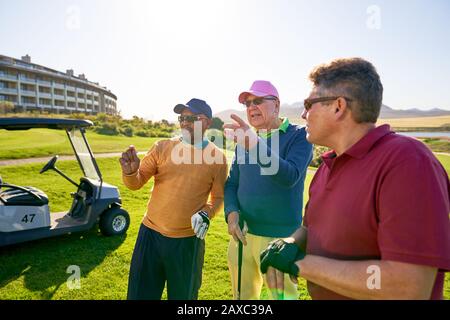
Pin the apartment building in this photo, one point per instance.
(34, 87)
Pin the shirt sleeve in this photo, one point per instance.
(413, 212)
(147, 169)
(231, 188)
(289, 170)
(217, 191)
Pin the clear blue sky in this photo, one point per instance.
(155, 54)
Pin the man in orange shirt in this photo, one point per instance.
(186, 170)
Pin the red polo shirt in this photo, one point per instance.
(387, 198)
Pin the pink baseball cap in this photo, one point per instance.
(259, 88)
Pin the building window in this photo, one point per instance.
(28, 100)
(44, 90)
(58, 92)
(59, 103)
(46, 102)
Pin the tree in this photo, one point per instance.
(6, 107)
(217, 123)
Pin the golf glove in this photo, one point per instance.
(282, 256)
(200, 224)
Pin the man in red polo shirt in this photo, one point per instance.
(377, 222)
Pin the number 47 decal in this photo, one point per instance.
(25, 219)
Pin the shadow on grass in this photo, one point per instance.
(43, 263)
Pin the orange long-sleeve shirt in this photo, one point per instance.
(184, 176)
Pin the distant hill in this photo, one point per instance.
(389, 113)
(294, 111)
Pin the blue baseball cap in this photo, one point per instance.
(197, 106)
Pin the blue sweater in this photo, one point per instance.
(270, 202)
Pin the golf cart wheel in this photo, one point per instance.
(114, 221)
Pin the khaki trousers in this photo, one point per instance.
(251, 277)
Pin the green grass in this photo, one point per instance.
(37, 270)
(44, 142)
(445, 160)
(437, 144)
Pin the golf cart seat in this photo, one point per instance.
(22, 196)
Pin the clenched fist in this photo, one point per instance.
(129, 161)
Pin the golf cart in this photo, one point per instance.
(24, 211)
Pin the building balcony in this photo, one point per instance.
(8, 90)
(45, 95)
(58, 85)
(58, 96)
(43, 105)
(27, 80)
(70, 88)
(29, 104)
(44, 83)
(12, 99)
(8, 77)
(28, 93)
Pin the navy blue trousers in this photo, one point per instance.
(158, 259)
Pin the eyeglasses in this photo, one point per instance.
(258, 101)
(191, 119)
(308, 103)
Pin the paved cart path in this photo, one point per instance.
(15, 162)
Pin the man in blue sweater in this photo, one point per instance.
(265, 185)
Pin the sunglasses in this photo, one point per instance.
(257, 101)
(308, 103)
(191, 119)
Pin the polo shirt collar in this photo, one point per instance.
(364, 145)
(283, 128)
